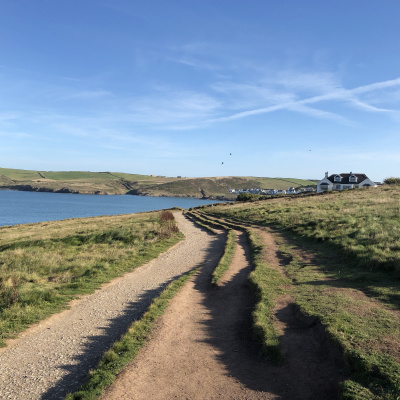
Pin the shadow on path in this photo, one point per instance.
(309, 371)
(97, 345)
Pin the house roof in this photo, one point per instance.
(345, 178)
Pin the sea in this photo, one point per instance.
(18, 207)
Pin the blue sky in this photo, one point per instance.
(268, 88)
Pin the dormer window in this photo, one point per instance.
(337, 178)
(353, 179)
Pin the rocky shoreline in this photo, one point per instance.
(30, 188)
(134, 192)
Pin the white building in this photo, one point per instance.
(344, 181)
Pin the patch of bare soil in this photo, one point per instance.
(202, 347)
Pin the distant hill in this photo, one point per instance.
(144, 185)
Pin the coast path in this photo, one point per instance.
(202, 347)
(53, 358)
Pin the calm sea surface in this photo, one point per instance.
(26, 207)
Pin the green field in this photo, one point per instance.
(148, 185)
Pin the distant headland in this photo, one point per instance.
(109, 183)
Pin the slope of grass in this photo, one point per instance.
(362, 223)
(83, 175)
(367, 331)
(283, 183)
(19, 174)
(352, 289)
(73, 175)
(5, 181)
(43, 266)
(219, 186)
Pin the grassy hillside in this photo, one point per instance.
(45, 265)
(340, 255)
(362, 223)
(122, 183)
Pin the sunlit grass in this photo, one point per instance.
(226, 259)
(42, 266)
(352, 290)
(364, 223)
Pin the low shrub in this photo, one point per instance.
(392, 181)
(248, 197)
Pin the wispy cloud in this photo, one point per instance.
(314, 112)
(332, 93)
(216, 100)
(171, 107)
(377, 86)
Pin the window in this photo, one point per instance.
(337, 178)
(352, 178)
(338, 187)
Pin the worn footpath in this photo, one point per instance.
(53, 358)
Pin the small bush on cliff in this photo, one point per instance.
(248, 197)
(392, 181)
(168, 224)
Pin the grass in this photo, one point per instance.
(125, 350)
(268, 284)
(19, 174)
(351, 287)
(43, 266)
(367, 331)
(363, 224)
(226, 258)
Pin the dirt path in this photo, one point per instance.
(203, 348)
(53, 358)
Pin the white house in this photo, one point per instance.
(344, 181)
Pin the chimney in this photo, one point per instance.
(326, 174)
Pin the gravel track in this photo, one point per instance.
(53, 358)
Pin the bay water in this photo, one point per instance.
(26, 207)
